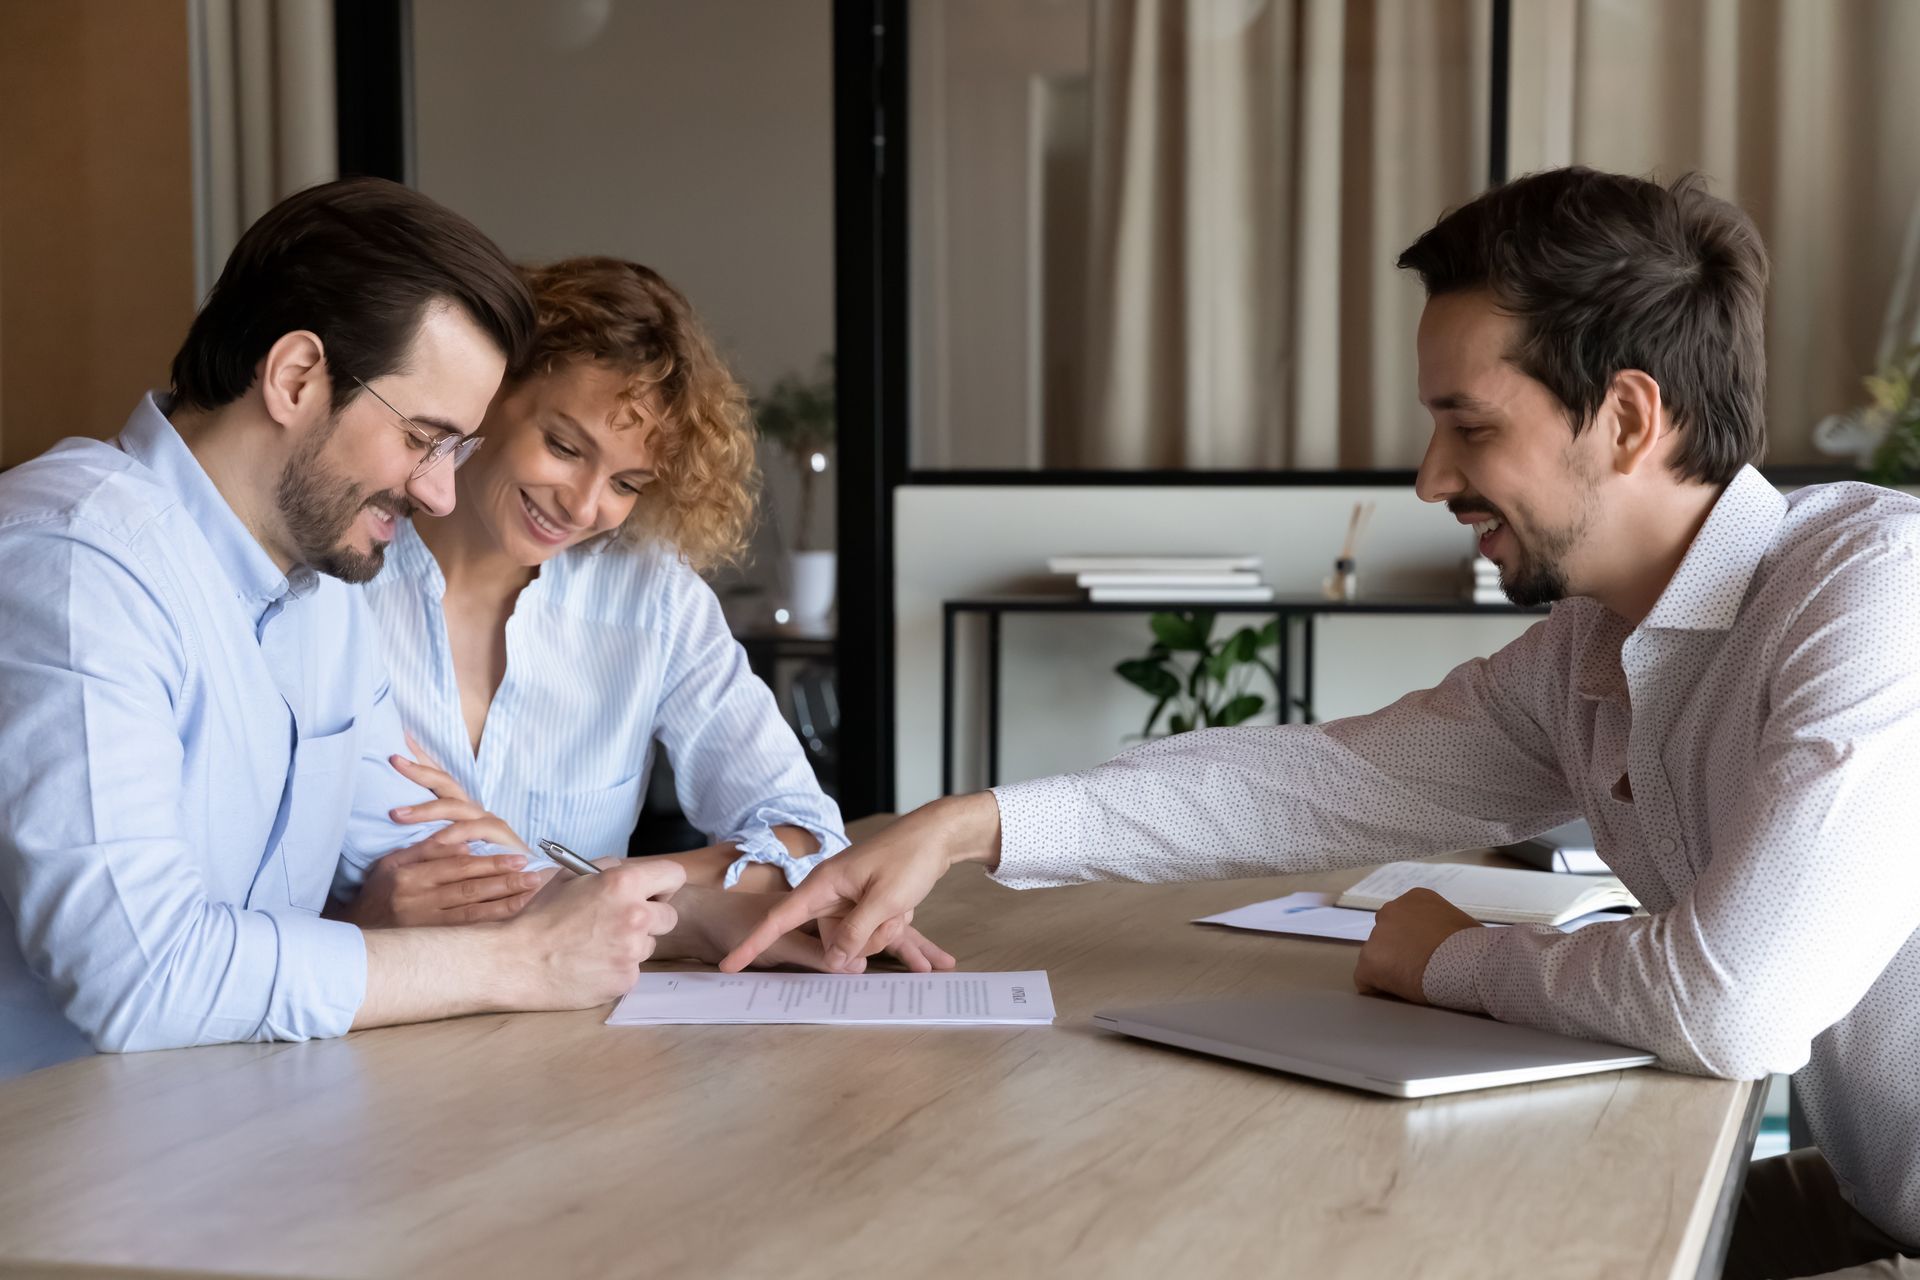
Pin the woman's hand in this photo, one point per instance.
(440, 881)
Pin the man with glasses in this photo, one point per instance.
(196, 732)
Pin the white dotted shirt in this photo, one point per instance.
(1749, 757)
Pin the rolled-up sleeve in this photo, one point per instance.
(738, 764)
(111, 912)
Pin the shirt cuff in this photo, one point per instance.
(536, 860)
(321, 980)
(1042, 826)
(1452, 979)
(757, 843)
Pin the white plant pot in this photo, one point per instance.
(811, 577)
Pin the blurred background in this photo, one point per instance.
(1013, 278)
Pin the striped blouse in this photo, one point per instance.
(610, 649)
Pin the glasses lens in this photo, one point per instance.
(459, 448)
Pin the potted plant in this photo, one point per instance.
(1884, 436)
(797, 416)
(1197, 681)
(1896, 411)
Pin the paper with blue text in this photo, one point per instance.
(1313, 915)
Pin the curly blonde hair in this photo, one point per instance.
(623, 315)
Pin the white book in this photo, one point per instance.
(1169, 580)
(1180, 595)
(1496, 895)
(1153, 564)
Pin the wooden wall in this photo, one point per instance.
(96, 212)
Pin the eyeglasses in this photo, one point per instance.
(449, 445)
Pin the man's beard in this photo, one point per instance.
(1536, 573)
(320, 507)
(1538, 577)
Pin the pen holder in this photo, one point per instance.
(1343, 583)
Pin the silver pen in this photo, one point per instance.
(567, 858)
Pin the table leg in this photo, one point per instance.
(1306, 673)
(946, 700)
(1283, 668)
(993, 698)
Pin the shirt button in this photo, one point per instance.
(1665, 844)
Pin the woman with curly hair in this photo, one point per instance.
(548, 632)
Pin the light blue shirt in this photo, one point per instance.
(609, 649)
(191, 742)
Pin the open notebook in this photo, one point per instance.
(1496, 895)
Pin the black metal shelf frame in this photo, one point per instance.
(1292, 613)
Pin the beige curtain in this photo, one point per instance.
(1256, 167)
(265, 112)
(1805, 112)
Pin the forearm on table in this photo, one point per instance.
(415, 975)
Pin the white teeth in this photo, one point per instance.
(540, 521)
(1485, 527)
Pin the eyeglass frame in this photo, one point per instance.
(452, 444)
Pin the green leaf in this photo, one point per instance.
(1179, 724)
(1196, 677)
(1270, 634)
(1247, 704)
(1154, 715)
(1242, 646)
(1178, 633)
(1148, 674)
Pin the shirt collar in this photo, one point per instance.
(409, 557)
(150, 439)
(1711, 582)
(1597, 673)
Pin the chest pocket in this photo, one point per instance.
(317, 813)
(593, 823)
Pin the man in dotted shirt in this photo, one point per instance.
(1726, 689)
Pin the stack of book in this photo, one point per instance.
(1483, 582)
(1166, 579)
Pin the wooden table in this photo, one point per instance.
(544, 1145)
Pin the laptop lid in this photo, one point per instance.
(1367, 1042)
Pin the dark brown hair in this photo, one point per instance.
(357, 262)
(625, 316)
(1606, 272)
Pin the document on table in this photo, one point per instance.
(1313, 915)
(866, 999)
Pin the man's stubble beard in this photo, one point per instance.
(319, 507)
(1540, 576)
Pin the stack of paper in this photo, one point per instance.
(1483, 581)
(1166, 579)
(867, 999)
